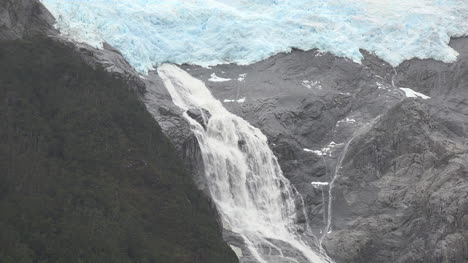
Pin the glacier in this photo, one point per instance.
(211, 32)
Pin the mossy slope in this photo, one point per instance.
(86, 174)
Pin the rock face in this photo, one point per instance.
(403, 186)
(400, 193)
(21, 18)
(202, 116)
(159, 103)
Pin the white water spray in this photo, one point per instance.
(244, 178)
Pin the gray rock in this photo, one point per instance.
(24, 18)
(398, 195)
(403, 185)
(200, 115)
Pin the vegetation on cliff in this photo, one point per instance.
(86, 174)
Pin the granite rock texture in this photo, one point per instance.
(401, 190)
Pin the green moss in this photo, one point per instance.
(86, 174)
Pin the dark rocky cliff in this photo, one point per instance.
(87, 175)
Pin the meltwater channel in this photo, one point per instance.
(244, 178)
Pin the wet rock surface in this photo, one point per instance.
(202, 116)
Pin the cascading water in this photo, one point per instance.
(244, 178)
(328, 227)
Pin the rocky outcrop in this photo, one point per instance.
(202, 116)
(402, 191)
(403, 186)
(24, 18)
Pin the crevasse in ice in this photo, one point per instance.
(209, 32)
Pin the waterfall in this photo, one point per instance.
(243, 176)
(336, 173)
(339, 165)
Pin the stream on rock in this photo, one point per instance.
(254, 199)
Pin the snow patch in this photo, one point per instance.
(320, 53)
(242, 77)
(328, 149)
(215, 78)
(347, 120)
(319, 184)
(242, 100)
(311, 84)
(409, 93)
(325, 150)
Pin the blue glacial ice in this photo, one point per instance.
(210, 32)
